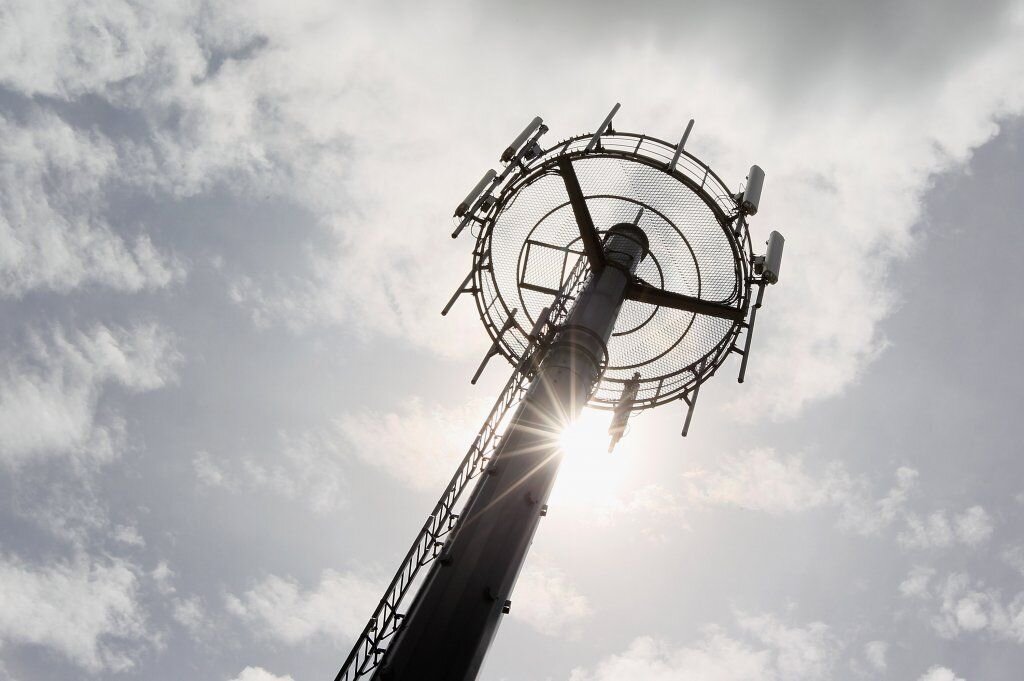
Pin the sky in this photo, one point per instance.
(227, 399)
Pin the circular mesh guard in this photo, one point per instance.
(534, 244)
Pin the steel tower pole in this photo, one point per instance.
(455, 615)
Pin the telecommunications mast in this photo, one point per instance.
(612, 269)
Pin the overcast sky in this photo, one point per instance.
(227, 399)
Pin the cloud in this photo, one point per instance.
(937, 673)
(602, 497)
(874, 653)
(419, 446)
(716, 658)
(974, 526)
(259, 674)
(49, 392)
(916, 583)
(764, 649)
(54, 181)
(961, 605)
(66, 49)
(163, 578)
(1014, 557)
(545, 599)
(807, 652)
(865, 515)
(816, 339)
(337, 608)
(189, 611)
(63, 502)
(210, 473)
(129, 534)
(766, 481)
(762, 480)
(86, 610)
(966, 606)
(190, 614)
(61, 394)
(971, 527)
(416, 445)
(378, 146)
(304, 466)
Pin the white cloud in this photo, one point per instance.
(767, 650)
(53, 233)
(189, 611)
(1014, 557)
(209, 472)
(65, 504)
(190, 614)
(865, 515)
(968, 606)
(915, 585)
(86, 610)
(280, 609)
(65, 49)
(129, 534)
(922, 534)
(377, 148)
(974, 526)
(602, 497)
(807, 652)
(963, 605)
(420, 446)
(61, 392)
(657, 509)
(163, 578)
(763, 480)
(971, 527)
(875, 653)
(937, 673)
(545, 599)
(715, 658)
(305, 466)
(259, 674)
(416, 445)
(49, 393)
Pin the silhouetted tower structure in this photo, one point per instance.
(612, 269)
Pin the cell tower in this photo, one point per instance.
(613, 270)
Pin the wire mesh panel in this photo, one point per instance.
(530, 240)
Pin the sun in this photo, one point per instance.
(585, 435)
(589, 475)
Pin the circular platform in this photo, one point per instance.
(529, 247)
